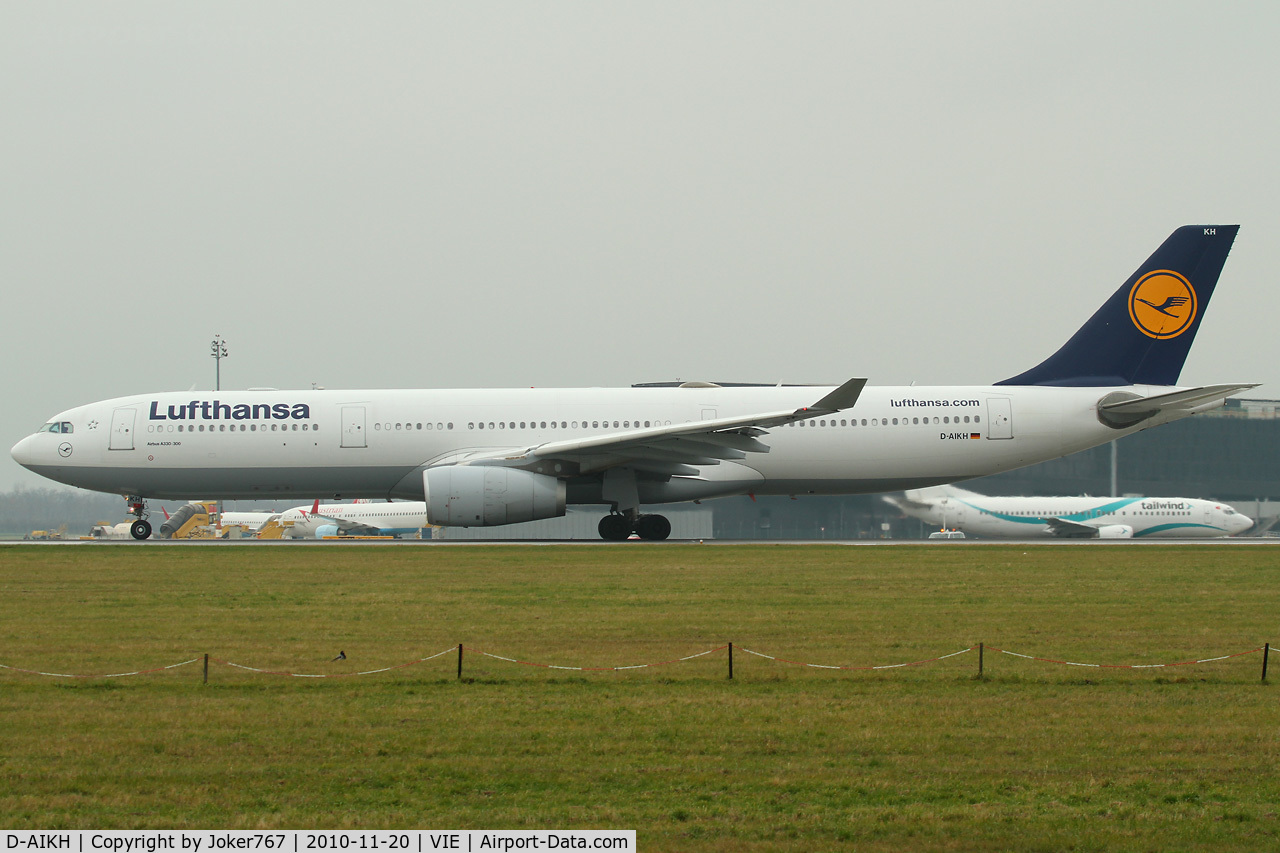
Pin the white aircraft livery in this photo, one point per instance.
(482, 457)
(355, 519)
(1071, 517)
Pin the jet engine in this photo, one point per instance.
(1115, 531)
(326, 530)
(486, 495)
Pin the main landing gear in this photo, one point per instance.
(140, 529)
(616, 527)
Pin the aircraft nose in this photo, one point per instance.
(1241, 523)
(24, 452)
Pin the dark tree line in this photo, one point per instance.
(25, 509)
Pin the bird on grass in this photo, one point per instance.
(341, 656)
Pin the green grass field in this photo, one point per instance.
(1035, 756)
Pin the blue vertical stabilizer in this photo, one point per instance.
(1142, 334)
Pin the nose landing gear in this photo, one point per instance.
(140, 529)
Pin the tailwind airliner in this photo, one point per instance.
(480, 457)
(1072, 517)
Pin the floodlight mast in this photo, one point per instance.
(218, 350)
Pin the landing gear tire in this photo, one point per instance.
(614, 528)
(140, 529)
(653, 527)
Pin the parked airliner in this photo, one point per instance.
(490, 456)
(1071, 517)
(379, 518)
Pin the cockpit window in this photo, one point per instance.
(63, 427)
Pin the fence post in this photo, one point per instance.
(206, 668)
(980, 650)
(459, 661)
(731, 661)
(1266, 652)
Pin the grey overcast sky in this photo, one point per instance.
(513, 194)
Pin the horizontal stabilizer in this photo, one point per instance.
(1181, 401)
(906, 504)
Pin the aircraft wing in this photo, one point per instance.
(346, 526)
(678, 448)
(1070, 529)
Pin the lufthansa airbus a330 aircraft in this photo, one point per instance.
(1078, 517)
(482, 457)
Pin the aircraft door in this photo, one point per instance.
(122, 429)
(353, 426)
(999, 417)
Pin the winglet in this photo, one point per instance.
(842, 398)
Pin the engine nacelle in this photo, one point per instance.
(487, 495)
(326, 530)
(1115, 531)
